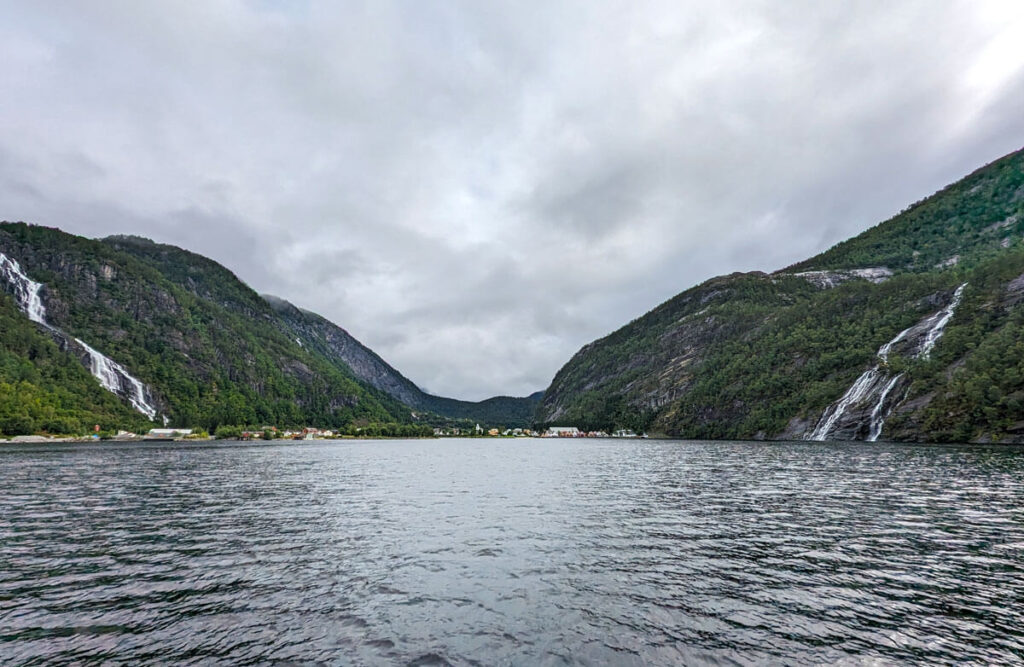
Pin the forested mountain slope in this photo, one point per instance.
(208, 355)
(838, 346)
(45, 388)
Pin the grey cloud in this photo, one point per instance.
(475, 189)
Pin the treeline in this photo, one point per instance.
(501, 411)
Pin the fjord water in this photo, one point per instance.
(511, 552)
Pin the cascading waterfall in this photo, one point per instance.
(938, 321)
(857, 391)
(877, 418)
(26, 290)
(873, 383)
(116, 379)
(112, 375)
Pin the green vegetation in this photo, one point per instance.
(226, 432)
(43, 389)
(389, 430)
(501, 411)
(975, 379)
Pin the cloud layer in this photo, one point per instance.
(475, 190)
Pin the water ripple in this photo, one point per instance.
(497, 552)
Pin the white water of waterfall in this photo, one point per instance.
(936, 326)
(939, 322)
(112, 375)
(869, 384)
(116, 379)
(883, 352)
(26, 290)
(857, 391)
(877, 418)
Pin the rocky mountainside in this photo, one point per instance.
(909, 331)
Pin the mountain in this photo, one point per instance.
(913, 330)
(209, 280)
(125, 332)
(910, 331)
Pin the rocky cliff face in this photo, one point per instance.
(846, 345)
(313, 331)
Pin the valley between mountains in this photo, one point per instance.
(911, 331)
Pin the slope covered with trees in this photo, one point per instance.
(44, 388)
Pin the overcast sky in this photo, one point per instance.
(477, 189)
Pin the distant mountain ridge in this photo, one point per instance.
(770, 356)
(319, 333)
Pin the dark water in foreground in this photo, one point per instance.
(525, 552)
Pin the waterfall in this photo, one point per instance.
(871, 384)
(857, 391)
(112, 375)
(877, 418)
(938, 323)
(26, 290)
(117, 380)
